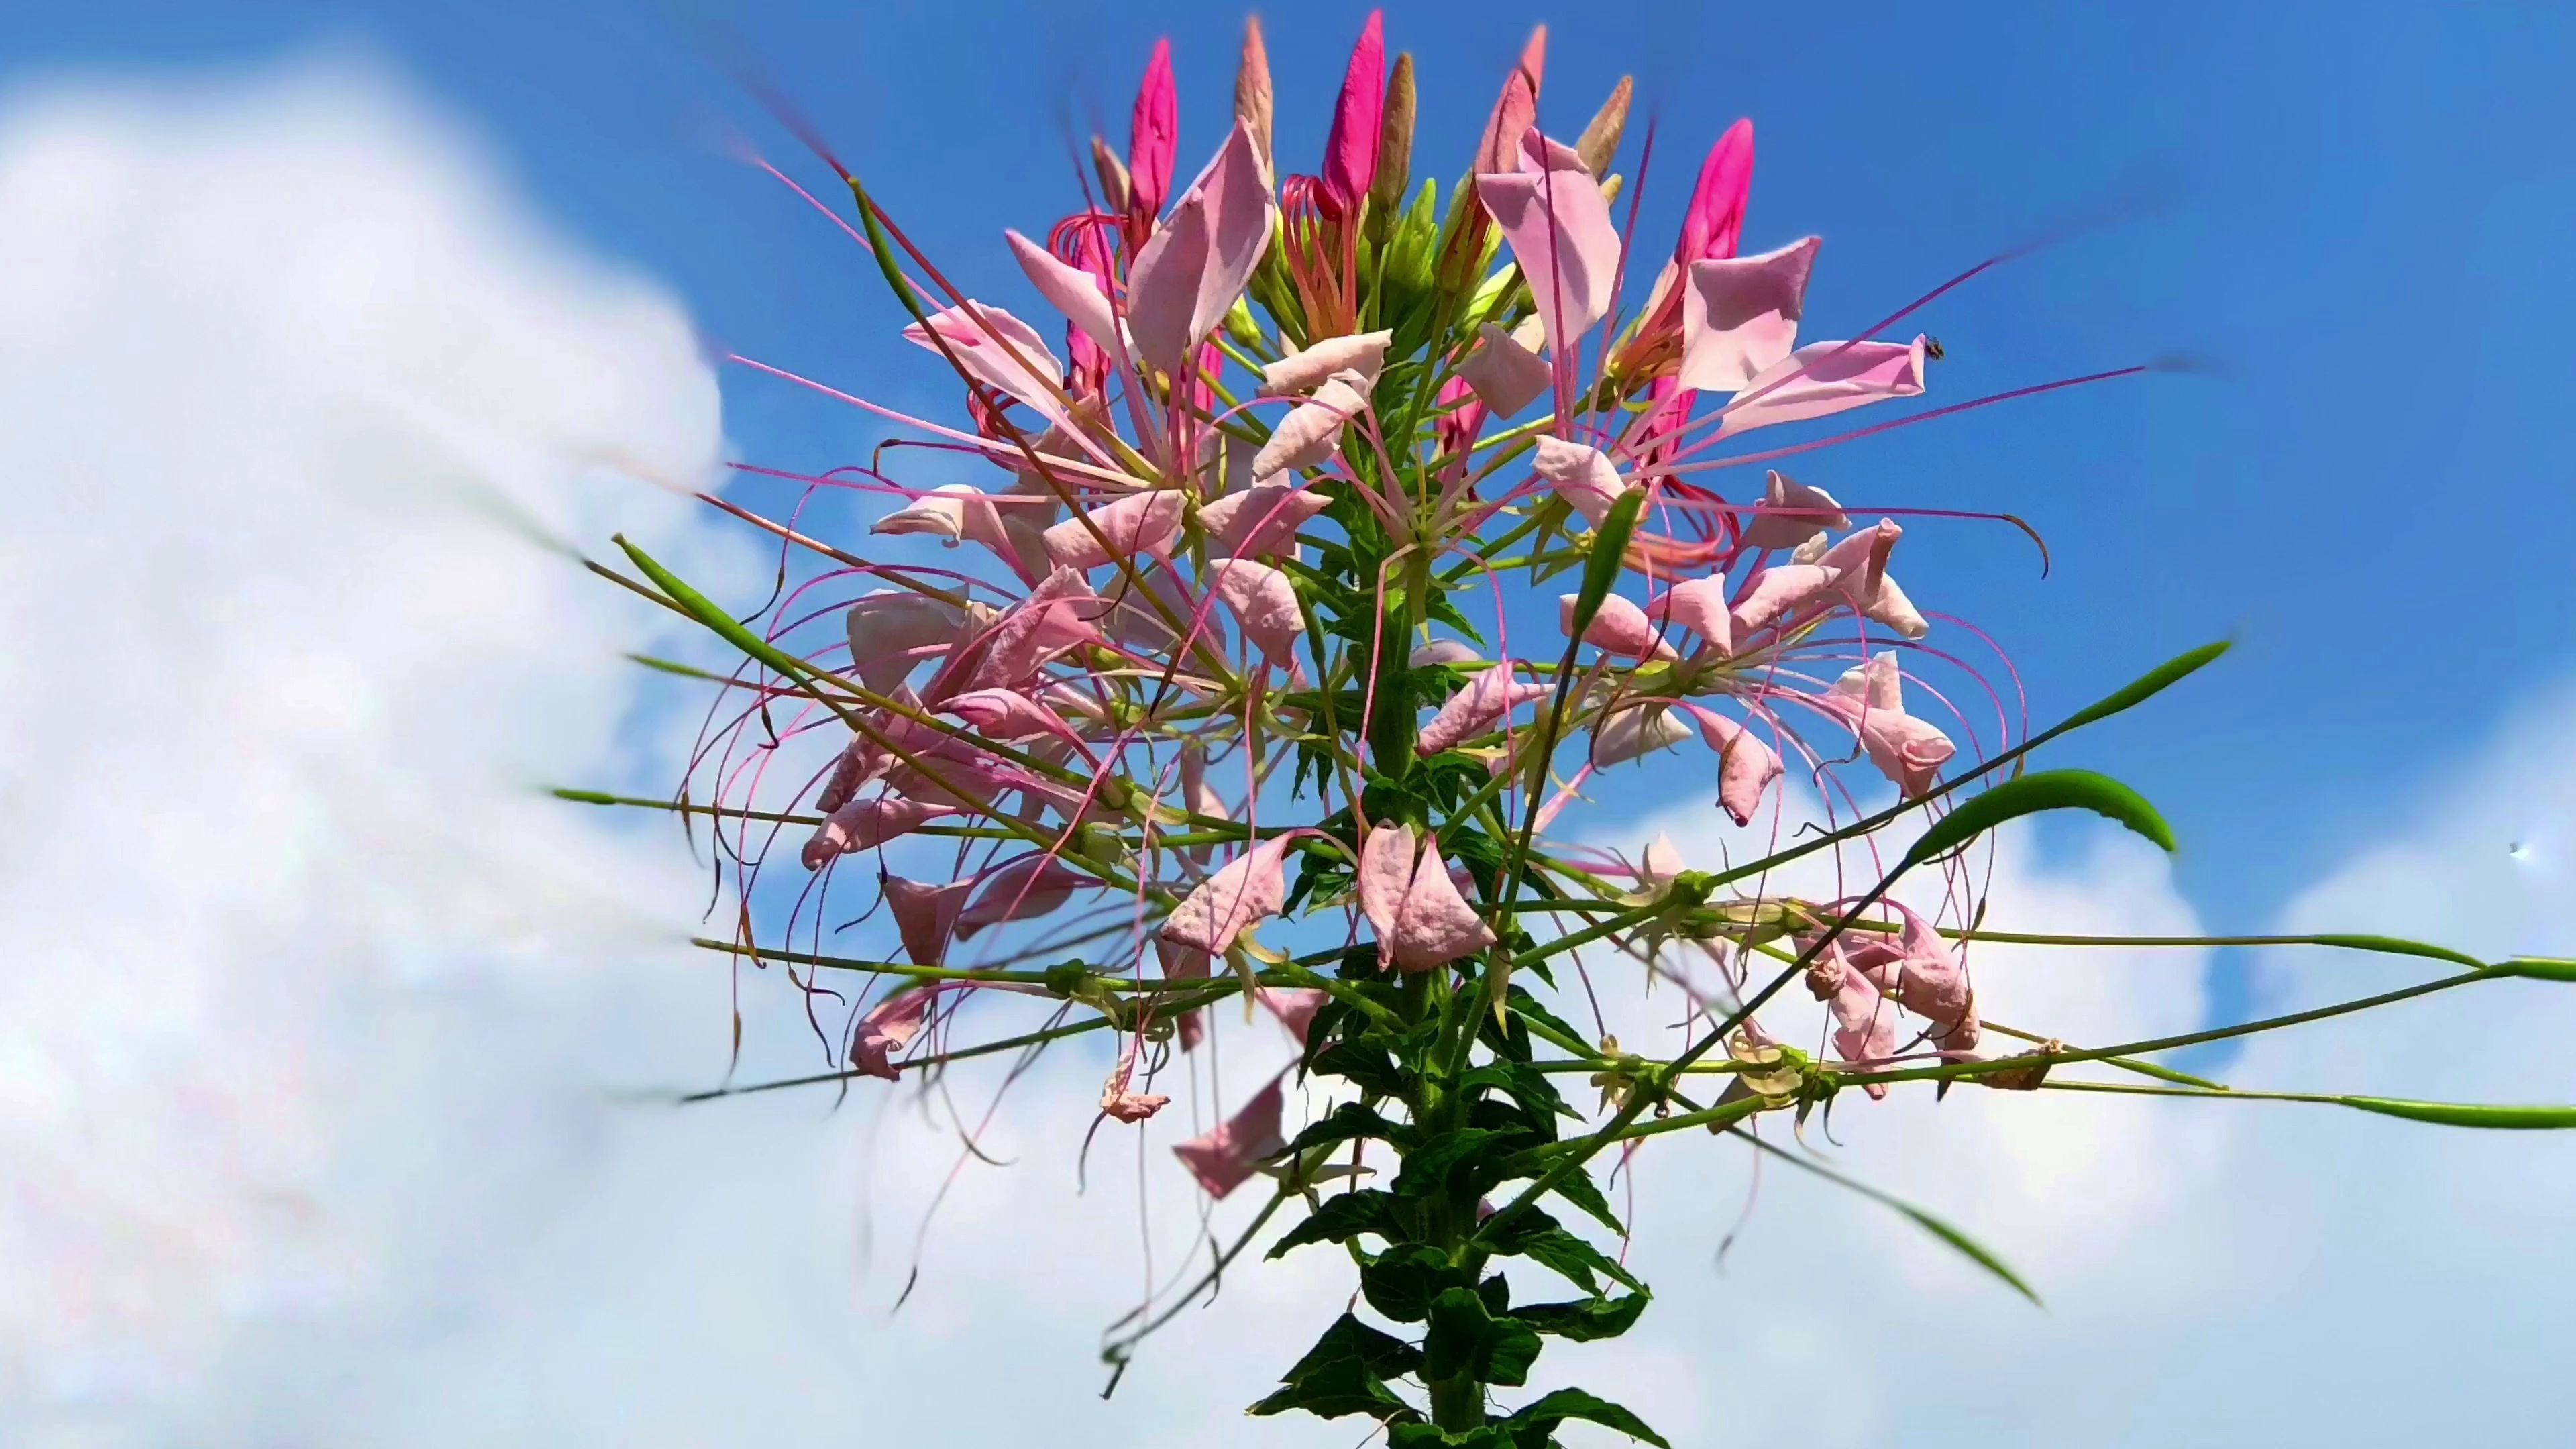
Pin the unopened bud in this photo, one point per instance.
(1600, 141)
(1394, 144)
(1252, 90)
(1114, 188)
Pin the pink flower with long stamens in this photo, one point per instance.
(1405, 889)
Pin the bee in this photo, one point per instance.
(1932, 349)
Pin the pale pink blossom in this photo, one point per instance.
(1201, 258)
(1740, 315)
(1487, 700)
(1506, 376)
(1247, 891)
(1406, 892)
(1552, 212)
(1224, 1158)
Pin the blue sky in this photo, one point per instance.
(2353, 221)
(2348, 219)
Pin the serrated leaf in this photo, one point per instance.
(1465, 1338)
(1351, 1121)
(1578, 1188)
(1401, 1282)
(1340, 1218)
(1552, 1409)
(1571, 1258)
(1435, 1166)
(2033, 794)
(1345, 1373)
(1585, 1320)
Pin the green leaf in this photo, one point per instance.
(1340, 1218)
(2147, 686)
(1365, 1063)
(1553, 1409)
(2538, 968)
(1464, 1338)
(2469, 1114)
(1345, 1373)
(704, 610)
(1585, 1320)
(1601, 568)
(1449, 1162)
(1569, 1257)
(1348, 1121)
(1578, 1188)
(1401, 1282)
(2031, 794)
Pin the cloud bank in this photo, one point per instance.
(313, 1011)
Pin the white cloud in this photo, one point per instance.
(309, 1003)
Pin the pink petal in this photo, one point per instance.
(1055, 616)
(1619, 628)
(1699, 605)
(1745, 765)
(1506, 376)
(1264, 603)
(1634, 731)
(999, 350)
(1074, 292)
(1716, 216)
(866, 824)
(1516, 109)
(1780, 593)
(1442, 651)
(1583, 476)
(1435, 925)
(1295, 1006)
(887, 627)
(1485, 701)
(1115, 1098)
(1864, 1022)
(1740, 315)
(1387, 859)
(1822, 378)
(1870, 700)
(1007, 715)
(925, 915)
(1221, 1160)
(1199, 797)
(1140, 523)
(1861, 563)
(1350, 150)
(1249, 890)
(1153, 133)
(1308, 368)
(1312, 431)
(1202, 258)
(1260, 520)
(1026, 888)
(1560, 232)
(889, 1027)
(1935, 985)
(1184, 963)
(1791, 514)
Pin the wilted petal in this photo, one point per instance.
(999, 350)
(925, 915)
(1870, 700)
(1791, 514)
(1699, 605)
(1224, 1158)
(1187, 277)
(1864, 1022)
(1055, 616)
(1386, 871)
(1309, 368)
(1861, 562)
(1826, 377)
(1249, 890)
(1264, 603)
(1116, 1100)
(1634, 731)
(1581, 475)
(1661, 862)
(866, 824)
(1260, 520)
(1506, 376)
(1745, 765)
(1295, 1006)
(1436, 925)
(1485, 701)
(889, 1027)
(1926, 973)
(1553, 214)
(1740, 315)
(1312, 431)
(1620, 627)
(1138, 524)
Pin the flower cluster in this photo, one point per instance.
(1217, 685)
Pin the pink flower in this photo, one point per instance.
(888, 1028)
(1715, 218)
(1350, 151)
(1506, 376)
(865, 824)
(1870, 700)
(1486, 701)
(1222, 1159)
(1740, 315)
(1864, 1023)
(1558, 223)
(1202, 257)
(1698, 605)
(1619, 627)
(1249, 890)
(1312, 431)
(1791, 514)
(1745, 765)
(1406, 892)
(1000, 351)
(1116, 1100)
(925, 915)
(1264, 603)
(1583, 476)
(1824, 378)
(1140, 523)
(1260, 520)
(1308, 368)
